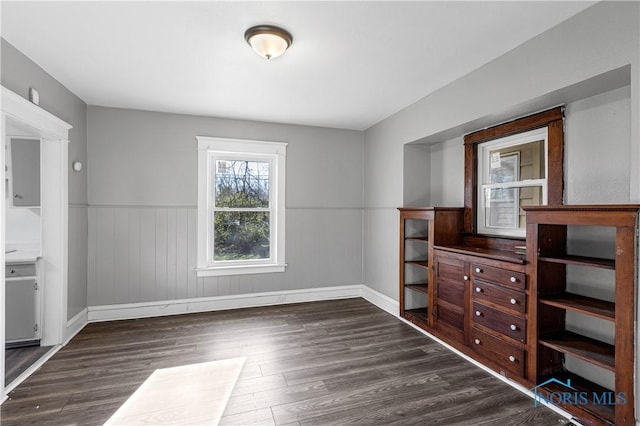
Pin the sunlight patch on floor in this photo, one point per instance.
(195, 394)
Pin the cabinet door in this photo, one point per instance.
(450, 285)
(20, 310)
(25, 172)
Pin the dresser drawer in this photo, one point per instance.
(507, 324)
(505, 297)
(20, 270)
(498, 276)
(508, 356)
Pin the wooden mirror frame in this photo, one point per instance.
(553, 119)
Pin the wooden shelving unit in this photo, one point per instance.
(595, 412)
(419, 315)
(418, 234)
(581, 261)
(414, 272)
(584, 348)
(419, 263)
(547, 268)
(421, 288)
(582, 304)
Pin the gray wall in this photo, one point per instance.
(142, 192)
(537, 74)
(597, 162)
(19, 73)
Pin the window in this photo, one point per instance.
(511, 165)
(511, 173)
(241, 206)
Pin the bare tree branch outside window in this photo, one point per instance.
(239, 235)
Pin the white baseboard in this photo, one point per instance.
(76, 324)
(381, 301)
(205, 304)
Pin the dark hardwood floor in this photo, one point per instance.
(331, 362)
(18, 360)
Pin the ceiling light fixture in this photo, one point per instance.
(268, 41)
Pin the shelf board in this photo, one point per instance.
(594, 262)
(422, 239)
(419, 263)
(602, 412)
(421, 288)
(419, 314)
(487, 252)
(582, 304)
(584, 348)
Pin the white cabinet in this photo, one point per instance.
(22, 304)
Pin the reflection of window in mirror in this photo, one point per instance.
(509, 166)
(511, 174)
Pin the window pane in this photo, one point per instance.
(503, 206)
(529, 196)
(242, 183)
(518, 162)
(241, 235)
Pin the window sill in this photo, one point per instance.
(218, 271)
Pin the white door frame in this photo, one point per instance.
(54, 136)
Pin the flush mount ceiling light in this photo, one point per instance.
(268, 41)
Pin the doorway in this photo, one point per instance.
(22, 119)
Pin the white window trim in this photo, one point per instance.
(276, 152)
(483, 175)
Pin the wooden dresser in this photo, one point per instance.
(506, 306)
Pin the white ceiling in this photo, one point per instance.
(351, 64)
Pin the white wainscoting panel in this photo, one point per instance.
(144, 254)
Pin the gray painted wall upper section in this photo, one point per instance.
(19, 73)
(604, 37)
(143, 158)
(597, 143)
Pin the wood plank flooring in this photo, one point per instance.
(330, 362)
(18, 360)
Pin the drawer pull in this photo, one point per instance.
(13, 271)
(478, 270)
(512, 358)
(478, 290)
(477, 341)
(513, 279)
(513, 301)
(466, 278)
(513, 327)
(478, 313)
